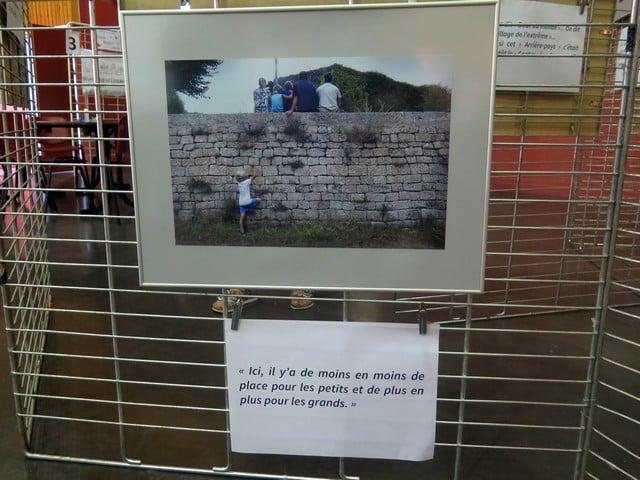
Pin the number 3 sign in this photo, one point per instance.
(72, 40)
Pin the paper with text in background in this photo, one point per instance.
(540, 46)
(334, 389)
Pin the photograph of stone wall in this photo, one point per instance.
(363, 179)
(348, 152)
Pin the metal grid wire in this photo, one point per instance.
(539, 375)
(27, 258)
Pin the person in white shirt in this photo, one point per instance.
(245, 201)
(328, 95)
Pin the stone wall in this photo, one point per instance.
(374, 167)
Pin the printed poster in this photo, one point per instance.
(334, 389)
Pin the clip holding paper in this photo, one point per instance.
(235, 315)
(422, 320)
(583, 5)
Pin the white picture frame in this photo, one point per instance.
(463, 31)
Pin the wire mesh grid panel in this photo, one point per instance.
(538, 374)
(612, 448)
(23, 231)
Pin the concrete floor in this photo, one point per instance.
(201, 451)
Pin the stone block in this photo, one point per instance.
(413, 151)
(318, 170)
(357, 170)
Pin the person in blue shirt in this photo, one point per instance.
(305, 98)
(287, 95)
(277, 101)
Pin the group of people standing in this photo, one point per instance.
(301, 96)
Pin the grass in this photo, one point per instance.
(327, 234)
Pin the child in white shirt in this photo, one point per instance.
(245, 201)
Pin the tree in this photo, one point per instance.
(174, 103)
(190, 77)
(353, 88)
(436, 98)
(377, 92)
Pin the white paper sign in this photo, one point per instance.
(111, 70)
(333, 389)
(72, 41)
(622, 59)
(531, 32)
(109, 40)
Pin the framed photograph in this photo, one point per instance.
(342, 147)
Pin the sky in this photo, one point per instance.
(231, 89)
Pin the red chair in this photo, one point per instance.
(56, 146)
